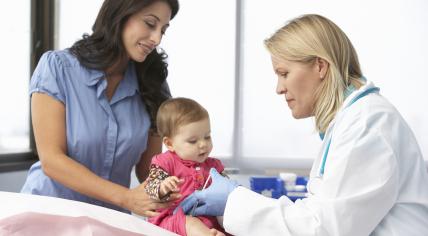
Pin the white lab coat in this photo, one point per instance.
(375, 182)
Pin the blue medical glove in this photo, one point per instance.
(212, 200)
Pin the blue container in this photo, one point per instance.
(268, 186)
(302, 180)
(299, 193)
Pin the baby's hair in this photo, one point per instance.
(176, 112)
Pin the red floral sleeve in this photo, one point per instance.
(156, 176)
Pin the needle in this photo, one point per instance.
(206, 182)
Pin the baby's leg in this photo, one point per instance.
(194, 226)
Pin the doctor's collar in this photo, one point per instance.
(348, 91)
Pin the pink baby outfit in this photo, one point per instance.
(193, 175)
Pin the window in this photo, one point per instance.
(27, 30)
(68, 27)
(15, 61)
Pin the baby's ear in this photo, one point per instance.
(168, 143)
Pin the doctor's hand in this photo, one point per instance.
(212, 200)
(139, 202)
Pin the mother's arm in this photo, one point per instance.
(48, 117)
(154, 146)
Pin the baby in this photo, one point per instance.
(184, 127)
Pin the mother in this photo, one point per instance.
(93, 108)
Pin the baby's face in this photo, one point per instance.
(193, 141)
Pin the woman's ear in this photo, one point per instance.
(322, 67)
(168, 143)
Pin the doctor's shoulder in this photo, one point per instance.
(375, 114)
(380, 114)
(369, 115)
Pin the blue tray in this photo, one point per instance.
(274, 187)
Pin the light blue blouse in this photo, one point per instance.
(108, 137)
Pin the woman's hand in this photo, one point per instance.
(138, 201)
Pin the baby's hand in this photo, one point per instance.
(168, 186)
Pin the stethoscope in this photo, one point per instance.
(315, 180)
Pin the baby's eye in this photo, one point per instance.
(192, 141)
(208, 137)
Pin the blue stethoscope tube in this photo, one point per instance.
(324, 158)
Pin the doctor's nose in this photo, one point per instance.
(280, 88)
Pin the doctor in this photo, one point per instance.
(369, 178)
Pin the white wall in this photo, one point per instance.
(73, 19)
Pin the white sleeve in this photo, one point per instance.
(249, 213)
(360, 184)
(358, 189)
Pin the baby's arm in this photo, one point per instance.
(168, 186)
(156, 176)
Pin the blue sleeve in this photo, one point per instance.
(48, 77)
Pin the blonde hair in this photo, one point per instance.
(176, 112)
(308, 37)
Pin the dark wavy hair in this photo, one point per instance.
(104, 47)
